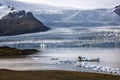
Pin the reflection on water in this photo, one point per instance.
(42, 60)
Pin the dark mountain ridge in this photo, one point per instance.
(117, 10)
(20, 22)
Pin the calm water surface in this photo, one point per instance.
(42, 60)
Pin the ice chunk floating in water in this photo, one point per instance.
(89, 65)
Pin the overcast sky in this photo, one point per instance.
(82, 4)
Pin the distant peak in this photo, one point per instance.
(13, 8)
(117, 10)
(29, 14)
(17, 14)
(117, 6)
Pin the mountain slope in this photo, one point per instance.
(4, 10)
(78, 15)
(117, 10)
(19, 22)
(86, 18)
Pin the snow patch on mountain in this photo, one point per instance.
(46, 11)
(4, 10)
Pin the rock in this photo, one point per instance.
(117, 10)
(11, 52)
(20, 22)
(29, 14)
(0, 4)
(13, 8)
(15, 15)
(9, 7)
(29, 51)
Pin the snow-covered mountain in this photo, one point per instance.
(64, 16)
(15, 22)
(4, 10)
(73, 36)
(97, 17)
(78, 15)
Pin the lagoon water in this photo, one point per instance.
(42, 60)
(65, 43)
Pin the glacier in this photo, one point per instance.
(69, 28)
(104, 37)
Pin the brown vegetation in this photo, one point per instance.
(13, 52)
(54, 75)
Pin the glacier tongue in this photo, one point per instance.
(102, 37)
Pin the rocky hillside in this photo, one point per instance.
(19, 22)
